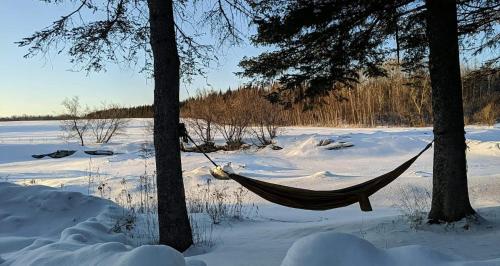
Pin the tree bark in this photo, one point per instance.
(450, 198)
(174, 227)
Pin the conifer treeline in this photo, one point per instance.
(142, 111)
(33, 117)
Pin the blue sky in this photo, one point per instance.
(39, 85)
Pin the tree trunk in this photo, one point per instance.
(174, 227)
(450, 198)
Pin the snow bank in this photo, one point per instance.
(32, 219)
(331, 248)
(45, 226)
(491, 148)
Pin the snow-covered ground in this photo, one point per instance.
(56, 226)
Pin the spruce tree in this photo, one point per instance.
(318, 45)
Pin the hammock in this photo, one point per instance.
(316, 199)
(322, 200)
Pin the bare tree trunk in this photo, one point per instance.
(173, 221)
(450, 198)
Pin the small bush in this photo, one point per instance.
(414, 204)
(202, 231)
(107, 122)
(219, 202)
(76, 126)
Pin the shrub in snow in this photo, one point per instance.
(106, 122)
(218, 200)
(414, 204)
(76, 125)
(202, 229)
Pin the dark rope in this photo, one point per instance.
(185, 136)
(197, 147)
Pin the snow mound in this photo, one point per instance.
(31, 210)
(326, 175)
(491, 148)
(312, 145)
(304, 147)
(331, 248)
(75, 251)
(198, 175)
(44, 226)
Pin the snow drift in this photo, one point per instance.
(45, 226)
(42, 226)
(339, 249)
